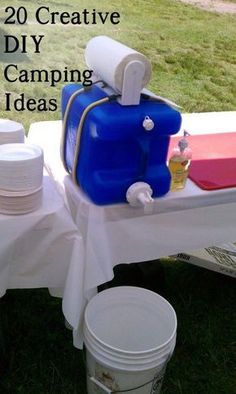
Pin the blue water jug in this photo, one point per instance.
(108, 147)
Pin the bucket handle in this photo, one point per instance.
(109, 391)
(100, 385)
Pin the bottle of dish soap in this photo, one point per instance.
(179, 163)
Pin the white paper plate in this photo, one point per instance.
(11, 132)
(17, 152)
(18, 205)
(22, 193)
(21, 167)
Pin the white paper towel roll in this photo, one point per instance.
(108, 59)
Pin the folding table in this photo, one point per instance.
(181, 221)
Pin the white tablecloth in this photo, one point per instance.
(44, 249)
(181, 221)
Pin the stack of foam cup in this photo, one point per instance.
(21, 178)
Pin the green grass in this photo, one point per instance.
(37, 355)
(193, 52)
(40, 359)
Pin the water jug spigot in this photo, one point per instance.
(140, 194)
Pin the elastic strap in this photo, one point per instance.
(64, 125)
(66, 117)
(79, 132)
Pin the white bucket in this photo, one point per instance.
(129, 335)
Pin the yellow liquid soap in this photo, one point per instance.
(179, 164)
(179, 168)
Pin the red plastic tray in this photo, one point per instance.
(213, 163)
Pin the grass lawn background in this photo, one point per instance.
(193, 54)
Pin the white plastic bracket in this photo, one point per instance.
(132, 83)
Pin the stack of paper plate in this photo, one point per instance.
(11, 132)
(18, 204)
(21, 176)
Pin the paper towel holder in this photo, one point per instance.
(132, 83)
(124, 70)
